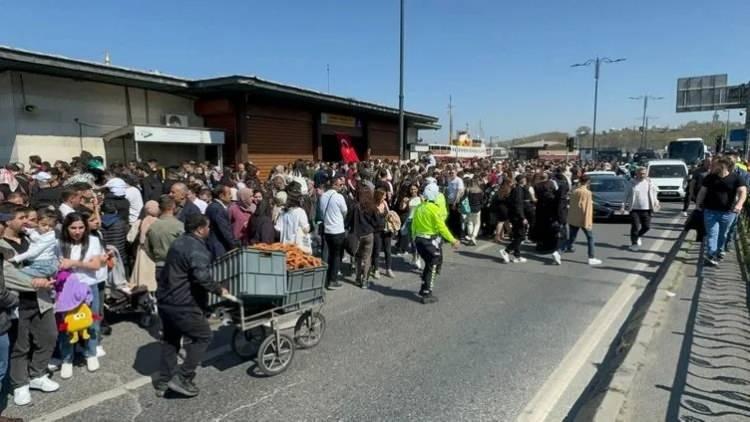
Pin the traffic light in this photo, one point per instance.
(571, 144)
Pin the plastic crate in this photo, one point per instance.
(250, 273)
(306, 285)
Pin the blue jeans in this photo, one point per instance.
(717, 227)
(44, 268)
(572, 238)
(67, 349)
(4, 351)
(731, 231)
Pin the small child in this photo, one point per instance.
(42, 249)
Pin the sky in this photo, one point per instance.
(505, 64)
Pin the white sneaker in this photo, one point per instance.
(594, 261)
(22, 396)
(66, 371)
(684, 213)
(556, 256)
(54, 364)
(44, 383)
(92, 364)
(640, 242)
(100, 352)
(634, 248)
(504, 256)
(519, 260)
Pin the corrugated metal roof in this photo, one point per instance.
(31, 61)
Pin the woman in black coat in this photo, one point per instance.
(261, 225)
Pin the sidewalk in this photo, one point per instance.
(697, 367)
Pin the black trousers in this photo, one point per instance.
(335, 244)
(184, 324)
(33, 337)
(639, 225)
(455, 223)
(517, 235)
(383, 243)
(433, 260)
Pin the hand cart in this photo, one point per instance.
(261, 320)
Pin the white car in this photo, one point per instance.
(669, 177)
(601, 173)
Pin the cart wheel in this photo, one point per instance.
(309, 329)
(244, 343)
(274, 357)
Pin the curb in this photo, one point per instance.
(615, 397)
(605, 396)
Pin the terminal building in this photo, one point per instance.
(55, 107)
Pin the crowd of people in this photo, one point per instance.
(77, 236)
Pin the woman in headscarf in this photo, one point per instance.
(144, 270)
(8, 182)
(240, 213)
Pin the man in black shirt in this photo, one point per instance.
(181, 294)
(721, 197)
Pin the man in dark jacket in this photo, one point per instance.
(181, 294)
(152, 186)
(517, 216)
(179, 192)
(8, 301)
(220, 239)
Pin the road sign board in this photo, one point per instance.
(702, 93)
(737, 138)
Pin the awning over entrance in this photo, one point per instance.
(130, 142)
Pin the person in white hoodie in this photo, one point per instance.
(42, 253)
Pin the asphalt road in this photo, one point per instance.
(480, 353)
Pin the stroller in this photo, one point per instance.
(121, 300)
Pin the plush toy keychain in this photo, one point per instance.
(72, 307)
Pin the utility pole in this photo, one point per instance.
(328, 78)
(597, 62)
(450, 119)
(401, 88)
(644, 121)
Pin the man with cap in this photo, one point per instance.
(428, 230)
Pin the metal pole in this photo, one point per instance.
(726, 128)
(643, 131)
(401, 89)
(746, 145)
(450, 119)
(596, 99)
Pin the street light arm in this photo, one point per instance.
(608, 60)
(586, 63)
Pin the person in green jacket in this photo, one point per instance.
(428, 230)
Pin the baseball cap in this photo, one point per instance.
(42, 176)
(5, 217)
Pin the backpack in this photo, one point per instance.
(392, 222)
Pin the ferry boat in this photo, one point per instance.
(463, 147)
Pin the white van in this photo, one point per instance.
(669, 177)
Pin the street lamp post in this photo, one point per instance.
(645, 98)
(597, 62)
(401, 88)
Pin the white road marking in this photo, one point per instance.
(113, 393)
(539, 408)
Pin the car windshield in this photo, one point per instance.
(607, 185)
(688, 151)
(667, 171)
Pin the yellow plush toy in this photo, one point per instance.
(78, 321)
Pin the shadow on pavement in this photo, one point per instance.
(712, 370)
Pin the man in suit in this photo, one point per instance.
(220, 238)
(185, 208)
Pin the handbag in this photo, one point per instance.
(464, 207)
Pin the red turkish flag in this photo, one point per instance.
(348, 153)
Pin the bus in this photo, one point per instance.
(690, 150)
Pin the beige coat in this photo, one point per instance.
(581, 212)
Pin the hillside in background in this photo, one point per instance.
(630, 139)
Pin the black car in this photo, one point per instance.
(609, 194)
